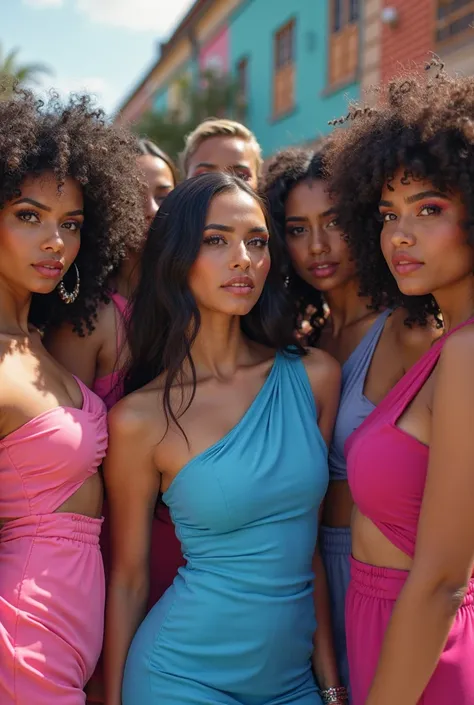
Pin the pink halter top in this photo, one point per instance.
(110, 387)
(386, 466)
(46, 460)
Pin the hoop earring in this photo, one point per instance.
(65, 296)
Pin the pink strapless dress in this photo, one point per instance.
(52, 588)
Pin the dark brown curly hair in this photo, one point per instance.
(424, 124)
(284, 171)
(74, 139)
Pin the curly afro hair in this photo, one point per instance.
(75, 140)
(284, 171)
(424, 124)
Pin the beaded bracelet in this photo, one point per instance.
(334, 696)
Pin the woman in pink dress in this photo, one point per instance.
(65, 212)
(98, 356)
(97, 359)
(404, 174)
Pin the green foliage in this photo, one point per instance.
(214, 95)
(12, 73)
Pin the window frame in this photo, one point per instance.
(284, 62)
(450, 17)
(284, 43)
(344, 23)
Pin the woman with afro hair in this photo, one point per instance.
(403, 174)
(371, 342)
(95, 356)
(70, 202)
(98, 356)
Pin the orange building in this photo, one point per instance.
(397, 33)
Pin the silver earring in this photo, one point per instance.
(64, 295)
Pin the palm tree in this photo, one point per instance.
(12, 73)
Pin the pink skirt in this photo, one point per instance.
(52, 598)
(370, 600)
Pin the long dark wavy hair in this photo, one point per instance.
(286, 170)
(164, 317)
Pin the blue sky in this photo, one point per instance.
(103, 46)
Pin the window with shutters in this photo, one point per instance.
(454, 21)
(284, 70)
(343, 41)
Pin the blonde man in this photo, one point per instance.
(222, 145)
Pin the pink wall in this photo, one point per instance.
(216, 48)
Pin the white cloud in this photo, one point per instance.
(160, 16)
(93, 85)
(43, 3)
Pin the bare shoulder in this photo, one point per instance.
(323, 370)
(65, 335)
(454, 384)
(324, 373)
(458, 353)
(138, 416)
(6, 349)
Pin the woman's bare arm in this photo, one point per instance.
(132, 483)
(324, 658)
(325, 378)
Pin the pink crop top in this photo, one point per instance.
(110, 387)
(386, 467)
(47, 459)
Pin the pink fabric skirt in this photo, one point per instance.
(370, 600)
(52, 598)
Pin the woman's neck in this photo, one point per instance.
(456, 303)
(220, 346)
(14, 310)
(346, 307)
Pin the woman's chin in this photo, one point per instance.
(46, 288)
(230, 308)
(411, 288)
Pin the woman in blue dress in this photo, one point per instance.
(229, 419)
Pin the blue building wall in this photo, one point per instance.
(160, 101)
(252, 29)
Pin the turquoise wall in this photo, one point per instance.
(251, 34)
(193, 68)
(160, 101)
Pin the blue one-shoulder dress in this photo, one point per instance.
(236, 626)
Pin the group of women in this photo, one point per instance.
(236, 412)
